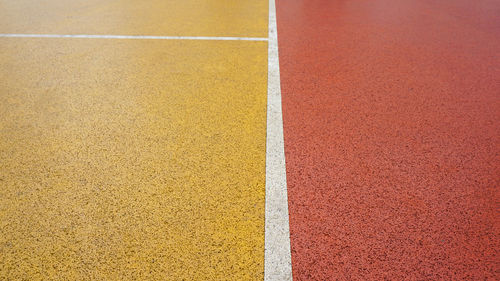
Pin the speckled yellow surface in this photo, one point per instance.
(243, 18)
(132, 159)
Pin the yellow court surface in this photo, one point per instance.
(125, 159)
(136, 17)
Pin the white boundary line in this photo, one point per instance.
(277, 261)
(18, 35)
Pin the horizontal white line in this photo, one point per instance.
(133, 37)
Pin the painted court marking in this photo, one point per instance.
(132, 37)
(277, 261)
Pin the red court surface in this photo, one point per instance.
(392, 138)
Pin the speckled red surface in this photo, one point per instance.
(392, 138)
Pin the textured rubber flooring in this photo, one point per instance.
(132, 159)
(392, 138)
(136, 17)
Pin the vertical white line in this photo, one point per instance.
(278, 262)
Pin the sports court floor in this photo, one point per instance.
(249, 140)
